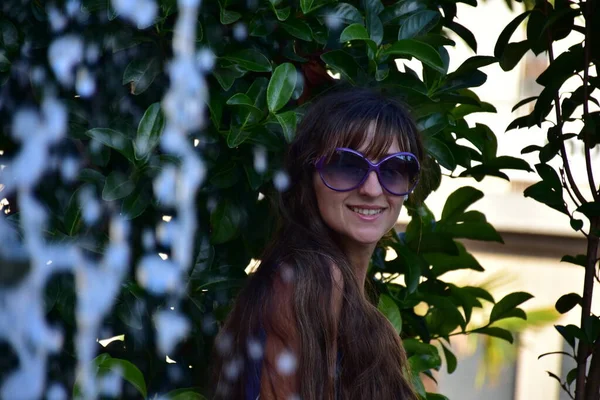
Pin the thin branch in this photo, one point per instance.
(586, 95)
(559, 122)
(567, 188)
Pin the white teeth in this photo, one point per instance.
(365, 211)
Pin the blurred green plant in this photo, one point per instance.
(562, 114)
(269, 59)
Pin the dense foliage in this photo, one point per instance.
(266, 60)
(570, 121)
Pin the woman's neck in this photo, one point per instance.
(359, 256)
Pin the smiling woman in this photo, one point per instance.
(303, 326)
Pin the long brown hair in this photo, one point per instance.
(373, 362)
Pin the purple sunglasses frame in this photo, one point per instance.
(372, 167)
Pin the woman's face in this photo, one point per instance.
(344, 212)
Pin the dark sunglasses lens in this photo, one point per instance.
(399, 174)
(344, 170)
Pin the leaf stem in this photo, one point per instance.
(586, 95)
(559, 122)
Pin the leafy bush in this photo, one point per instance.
(265, 60)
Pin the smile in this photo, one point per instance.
(367, 211)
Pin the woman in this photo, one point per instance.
(302, 328)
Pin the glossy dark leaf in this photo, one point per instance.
(141, 73)
(251, 60)
(418, 24)
(513, 53)
(496, 332)
(389, 308)
(507, 304)
(464, 34)
(459, 201)
(281, 86)
(567, 301)
(117, 186)
(287, 120)
(421, 51)
(354, 32)
(441, 152)
(507, 33)
(450, 359)
(298, 29)
(579, 259)
(343, 63)
(544, 193)
(225, 222)
(149, 130)
(590, 209)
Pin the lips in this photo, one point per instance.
(367, 212)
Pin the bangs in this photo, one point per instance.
(374, 134)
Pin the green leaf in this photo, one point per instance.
(546, 194)
(579, 259)
(72, 215)
(344, 12)
(228, 17)
(9, 35)
(590, 209)
(287, 120)
(105, 364)
(450, 359)
(421, 51)
(4, 63)
(507, 304)
(251, 60)
(464, 34)
(507, 33)
(442, 262)
(135, 204)
(418, 24)
(567, 301)
(354, 32)
(401, 8)
(281, 86)
(441, 152)
(480, 293)
(343, 63)
(227, 76)
(183, 394)
(473, 230)
(459, 201)
(298, 29)
(117, 186)
(472, 64)
(523, 102)
(496, 332)
(113, 139)
(149, 130)
(308, 6)
(237, 136)
(141, 73)
(435, 396)
(374, 24)
(251, 112)
(225, 222)
(389, 308)
(513, 53)
(282, 14)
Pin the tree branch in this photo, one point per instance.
(593, 379)
(559, 123)
(586, 94)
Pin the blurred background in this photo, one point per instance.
(535, 236)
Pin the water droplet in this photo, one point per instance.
(260, 159)
(64, 54)
(281, 180)
(85, 85)
(286, 363)
(240, 32)
(255, 349)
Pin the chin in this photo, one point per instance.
(367, 238)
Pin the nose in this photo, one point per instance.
(371, 187)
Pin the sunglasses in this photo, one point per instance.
(347, 169)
